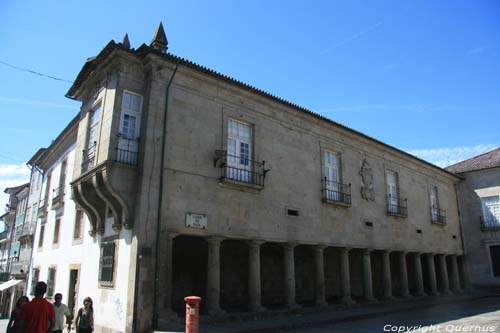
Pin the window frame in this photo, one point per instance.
(57, 232)
(33, 280)
(51, 283)
(108, 244)
(41, 236)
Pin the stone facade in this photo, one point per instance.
(481, 229)
(206, 186)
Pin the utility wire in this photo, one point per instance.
(34, 72)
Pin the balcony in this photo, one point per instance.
(57, 197)
(19, 268)
(88, 159)
(28, 230)
(397, 207)
(438, 216)
(127, 151)
(336, 193)
(489, 225)
(42, 208)
(239, 170)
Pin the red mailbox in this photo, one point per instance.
(192, 314)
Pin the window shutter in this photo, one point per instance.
(107, 263)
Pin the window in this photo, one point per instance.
(495, 259)
(239, 151)
(130, 122)
(334, 190)
(92, 138)
(35, 274)
(51, 282)
(395, 205)
(47, 187)
(40, 237)
(491, 211)
(62, 177)
(57, 226)
(107, 263)
(79, 222)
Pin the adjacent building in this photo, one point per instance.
(479, 195)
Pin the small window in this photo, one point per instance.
(107, 263)
(79, 222)
(35, 274)
(292, 212)
(40, 237)
(51, 282)
(57, 227)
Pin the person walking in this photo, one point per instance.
(61, 310)
(84, 322)
(37, 316)
(13, 325)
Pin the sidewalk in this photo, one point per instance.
(316, 316)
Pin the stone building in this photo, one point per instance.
(216, 188)
(479, 196)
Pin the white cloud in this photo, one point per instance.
(11, 175)
(444, 157)
(476, 51)
(35, 102)
(352, 37)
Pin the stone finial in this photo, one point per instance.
(126, 42)
(160, 41)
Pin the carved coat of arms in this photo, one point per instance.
(366, 174)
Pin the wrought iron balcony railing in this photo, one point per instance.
(42, 207)
(438, 216)
(28, 229)
(336, 192)
(240, 169)
(491, 224)
(396, 206)
(57, 196)
(127, 151)
(88, 160)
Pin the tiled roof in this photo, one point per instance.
(487, 160)
(144, 50)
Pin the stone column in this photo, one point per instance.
(367, 275)
(289, 275)
(419, 278)
(444, 274)
(254, 287)
(386, 270)
(320, 275)
(465, 274)
(166, 272)
(404, 274)
(432, 275)
(345, 277)
(455, 278)
(213, 276)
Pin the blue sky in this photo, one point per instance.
(419, 75)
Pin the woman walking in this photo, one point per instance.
(13, 325)
(84, 322)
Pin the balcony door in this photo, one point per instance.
(130, 124)
(239, 151)
(392, 191)
(332, 175)
(491, 210)
(434, 203)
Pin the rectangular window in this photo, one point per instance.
(107, 263)
(35, 274)
(434, 203)
(62, 176)
(130, 123)
(57, 226)
(332, 176)
(51, 282)
(491, 208)
(40, 237)
(47, 188)
(239, 151)
(78, 232)
(392, 191)
(88, 160)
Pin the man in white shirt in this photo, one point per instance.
(61, 311)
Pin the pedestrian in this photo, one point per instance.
(84, 322)
(13, 325)
(37, 316)
(61, 310)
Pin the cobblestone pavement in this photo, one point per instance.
(481, 315)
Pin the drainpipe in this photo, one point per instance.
(160, 199)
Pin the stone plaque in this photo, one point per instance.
(194, 220)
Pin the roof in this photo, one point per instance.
(487, 160)
(35, 157)
(144, 50)
(15, 189)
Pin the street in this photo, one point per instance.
(482, 315)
